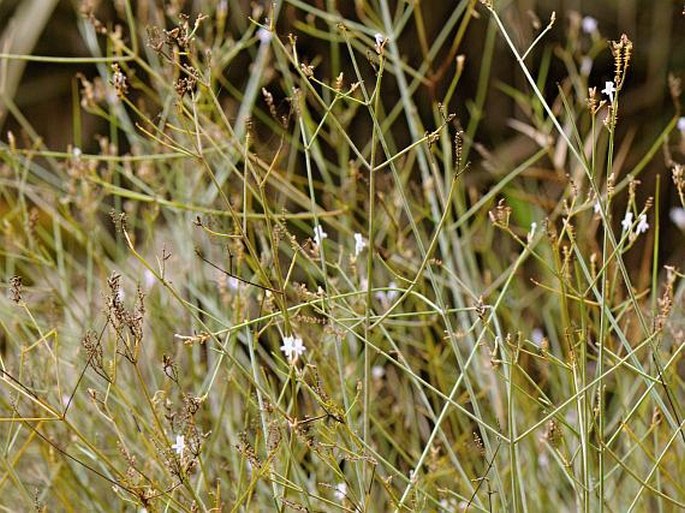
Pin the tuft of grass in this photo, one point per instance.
(322, 257)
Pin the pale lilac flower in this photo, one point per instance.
(627, 221)
(642, 225)
(386, 298)
(233, 283)
(392, 294)
(377, 372)
(380, 39)
(359, 244)
(677, 215)
(589, 25)
(609, 90)
(586, 66)
(543, 460)
(149, 279)
(293, 347)
(537, 337)
(180, 445)
(341, 491)
(681, 124)
(264, 36)
(319, 235)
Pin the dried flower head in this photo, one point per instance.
(16, 286)
(119, 81)
(622, 50)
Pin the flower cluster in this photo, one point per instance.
(293, 348)
(642, 224)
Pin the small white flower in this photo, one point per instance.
(180, 445)
(149, 279)
(264, 36)
(387, 298)
(642, 225)
(586, 66)
(359, 244)
(377, 372)
(537, 337)
(341, 491)
(609, 90)
(598, 207)
(76, 152)
(392, 294)
(681, 124)
(627, 221)
(233, 283)
(531, 233)
(319, 235)
(677, 215)
(543, 460)
(293, 347)
(380, 39)
(589, 25)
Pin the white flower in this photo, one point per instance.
(531, 233)
(627, 221)
(543, 460)
(642, 225)
(537, 337)
(293, 347)
(677, 215)
(386, 298)
(609, 90)
(377, 371)
(77, 152)
(233, 283)
(681, 124)
(380, 39)
(341, 491)
(589, 25)
(180, 445)
(319, 235)
(359, 244)
(392, 294)
(586, 66)
(598, 207)
(264, 36)
(149, 279)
